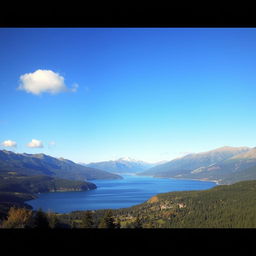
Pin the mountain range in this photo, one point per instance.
(125, 165)
(225, 165)
(236, 168)
(41, 164)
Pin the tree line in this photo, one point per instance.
(25, 218)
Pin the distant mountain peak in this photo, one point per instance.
(40, 155)
(128, 159)
(122, 165)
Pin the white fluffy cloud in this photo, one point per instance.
(9, 143)
(44, 81)
(35, 144)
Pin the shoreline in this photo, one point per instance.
(214, 181)
(217, 182)
(135, 176)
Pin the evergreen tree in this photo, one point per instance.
(41, 220)
(150, 224)
(53, 220)
(137, 223)
(87, 220)
(107, 220)
(73, 224)
(118, 223)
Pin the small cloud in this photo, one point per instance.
(35, 144)
(9, 143)
(74, 87)
(44, 81)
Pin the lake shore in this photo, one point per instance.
(114, 194)
(217, 182)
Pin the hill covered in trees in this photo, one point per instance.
(41, 184)
(224, 206)
(16, 189)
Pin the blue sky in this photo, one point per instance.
(148, 93)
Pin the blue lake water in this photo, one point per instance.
(114, 194)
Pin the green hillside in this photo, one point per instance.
(17, 199)
(225, 206)
(40, 184)
(15, 189)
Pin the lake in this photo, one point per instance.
(114, 194)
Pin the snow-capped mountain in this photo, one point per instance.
(124, 165)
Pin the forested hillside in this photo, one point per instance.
(225, 206)
(16, 189)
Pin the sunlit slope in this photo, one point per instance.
(186, 166)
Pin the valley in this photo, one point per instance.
(152, 196)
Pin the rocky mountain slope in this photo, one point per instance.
(216, 164)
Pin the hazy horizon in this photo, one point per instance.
(152, 94)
